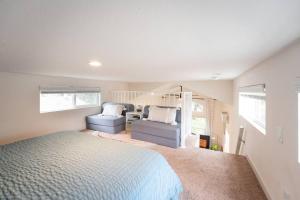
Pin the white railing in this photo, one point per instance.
(147, 98)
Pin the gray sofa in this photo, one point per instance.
(157, 132)
(108, 124)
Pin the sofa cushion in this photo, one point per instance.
(156, 129)
(105, 120)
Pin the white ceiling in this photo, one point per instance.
(142, 40)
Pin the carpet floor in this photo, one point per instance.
(205, 174)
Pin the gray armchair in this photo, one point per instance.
(108, 124)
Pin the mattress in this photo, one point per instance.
(73, 165)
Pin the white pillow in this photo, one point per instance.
(113, 110)
(157, 114)
(171, 116)
(165, 115)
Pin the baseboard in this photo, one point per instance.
(259, 178)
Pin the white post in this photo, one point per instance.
(186, 117)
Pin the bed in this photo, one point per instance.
(74, 165)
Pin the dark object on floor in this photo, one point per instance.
(204, 141)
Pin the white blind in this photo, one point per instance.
(254, 90)
(70, 89)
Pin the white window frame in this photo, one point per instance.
(202, 114)
(298, 103)
(254, 91)
(70, 90)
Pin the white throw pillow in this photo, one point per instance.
(113, 110)
(157, 114)
(165, 115)
(171, 116)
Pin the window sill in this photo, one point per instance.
(259, 128)
(74, 108)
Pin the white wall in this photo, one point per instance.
(19, 105)
(276, 163)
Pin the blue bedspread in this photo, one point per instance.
(73, 165)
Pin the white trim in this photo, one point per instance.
(253, 94)
(259, 178)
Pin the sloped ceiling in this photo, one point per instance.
(139, 40)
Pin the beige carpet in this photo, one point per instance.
(205, 174)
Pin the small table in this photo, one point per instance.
(131, 117)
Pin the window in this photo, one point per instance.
(197, 107)
(58, 99)
(87, 99)
(252, 106)
(199, 125)
(199, 121)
